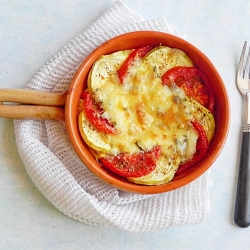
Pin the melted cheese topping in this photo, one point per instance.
(145, 112)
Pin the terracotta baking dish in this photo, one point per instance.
(50, 106)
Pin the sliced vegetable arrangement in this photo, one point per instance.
(147, 113)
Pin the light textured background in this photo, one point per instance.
(33, 31)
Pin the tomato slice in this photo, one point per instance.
(133, 165)
(201, 149)
(194, 82)
(94, 112)
(136, 53)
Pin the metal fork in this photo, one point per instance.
(242, 204)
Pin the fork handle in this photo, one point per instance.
(242, 205)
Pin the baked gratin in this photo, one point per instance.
(147, 113)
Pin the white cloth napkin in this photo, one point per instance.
(56, 170)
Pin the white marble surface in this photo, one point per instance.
(33, 31)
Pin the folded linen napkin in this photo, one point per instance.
(56, 170)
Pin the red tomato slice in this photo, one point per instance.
(194, 82)
(93, 113)
(141, 52)
(201, 149)
(133, 165)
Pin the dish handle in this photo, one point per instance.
(25, 103)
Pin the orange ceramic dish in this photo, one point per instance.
(49, 106)
(131, 41)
